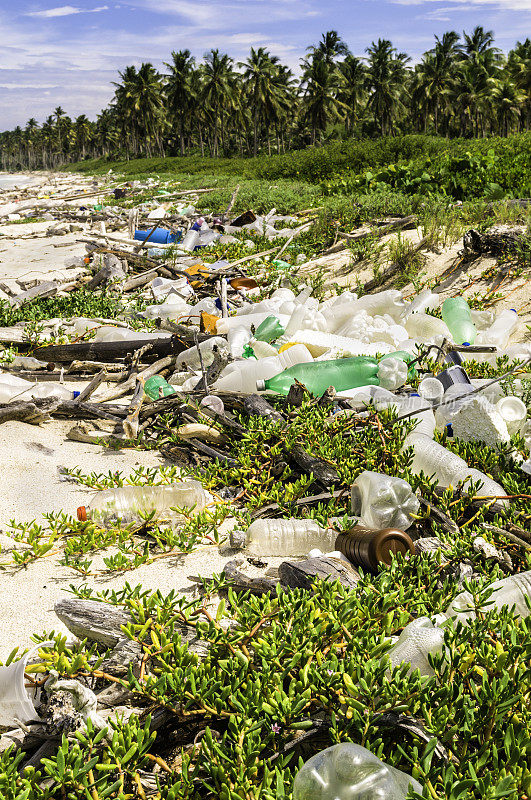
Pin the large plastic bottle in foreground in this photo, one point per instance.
(501, 329)
(133, 503)
(14, 388)
(433, 459)
(422, 637)
(456, 314)
(348, 771)
(287, 537)
(342, 373)
(383, 501)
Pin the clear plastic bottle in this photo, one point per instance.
(303, 318)
(225, 324)
(190, 241)
(510, 591)
(287, 537)
(389, 302)
(392, 373)
(262, 349)
(131, 504)
(342, 373)
(349, 771)
(456, 314)
(14, 388)
(242, 376)
(237, 339)
(501, 330)
(190, 358)
(426, 300)
(383, 501)
(449, 469)
(425, 327)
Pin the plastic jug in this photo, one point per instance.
(383, 501)
(456, 314)
(15, 702)
(348, 771)
(190, 359)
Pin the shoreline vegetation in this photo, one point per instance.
(463, 87)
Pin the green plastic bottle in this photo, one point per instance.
(317, 376)
(269, 329)
(456, 314)
(157, 387)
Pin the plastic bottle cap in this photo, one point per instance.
(513, 309)
(260, 385)
(449, 429)
(76, 394)
(82, 514)
(466, 344)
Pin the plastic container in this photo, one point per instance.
(348, 771)
(131, 504)
(237, 339)
(449, 469)
(269, 330)
(456, 314)
(501, 330)
(426, 328)
(392, 373)
(225, 324)
(368, 548)
(510, 591)
(14, 388)
(431, 390)
(243, 376)
(417, 641)
(15, 701)
(189, 359)
(157, 387)
(159, 236)
(426, 300)
(287, 537)
(190, 241)
(514, 413)
(342, 373)
(383, 501)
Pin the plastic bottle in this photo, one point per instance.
(423, 301)
(389, 302)
(190, 358)
(132, 503)
(392, 372)
(509, 591)
(319, 343)
(14, 388)
(269, 330)
(501, 330)
(449, 469)
(287, 537)
(415, 406)
(190, 241)
(514, 413)
(303, 318)
(342, 373)
(157, 387)
(348, 771)
(425, 327)
(225, 324)
(237, 338)
(261, 349)
(368, 548)
(456, 314)
(383, 501)
(242, 376)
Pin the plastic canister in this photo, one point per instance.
(159, 236)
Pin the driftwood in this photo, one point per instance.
(301, 574)
(323, 473)
(109, 351)
(274, 509)
(377, 233)
(243, 582)
(255, 405)
(22, 412)
(103, 623)
(494, 243)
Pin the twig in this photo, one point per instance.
(92, 386)
(203, 371)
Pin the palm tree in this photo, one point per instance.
(352, 88)
(330, 47)
(320, 103)
(218, 92)
(266, 90)
(436, 74)
(519, 68)
(179, 90)
(386, 75)
(507, 100)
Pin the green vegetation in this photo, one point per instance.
(463, 86)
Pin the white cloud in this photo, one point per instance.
(65, 11)
(499, 5)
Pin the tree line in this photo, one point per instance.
(463, 86)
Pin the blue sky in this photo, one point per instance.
(67, 52)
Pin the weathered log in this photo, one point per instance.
(301, 574)
(495, 243)
(23, 412)
(244, 583)
(104, 623)
(323, 473)
(256, 406)
(110, 351)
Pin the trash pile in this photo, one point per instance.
(200, 355)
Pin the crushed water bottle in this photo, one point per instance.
(383, 501)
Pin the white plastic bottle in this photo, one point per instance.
(287, 537)
(426, 300)
(131, 504)
(509, 591)
(241, 376)
(389, 302)
(431, 390)
(383, 501)
(237, 339)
